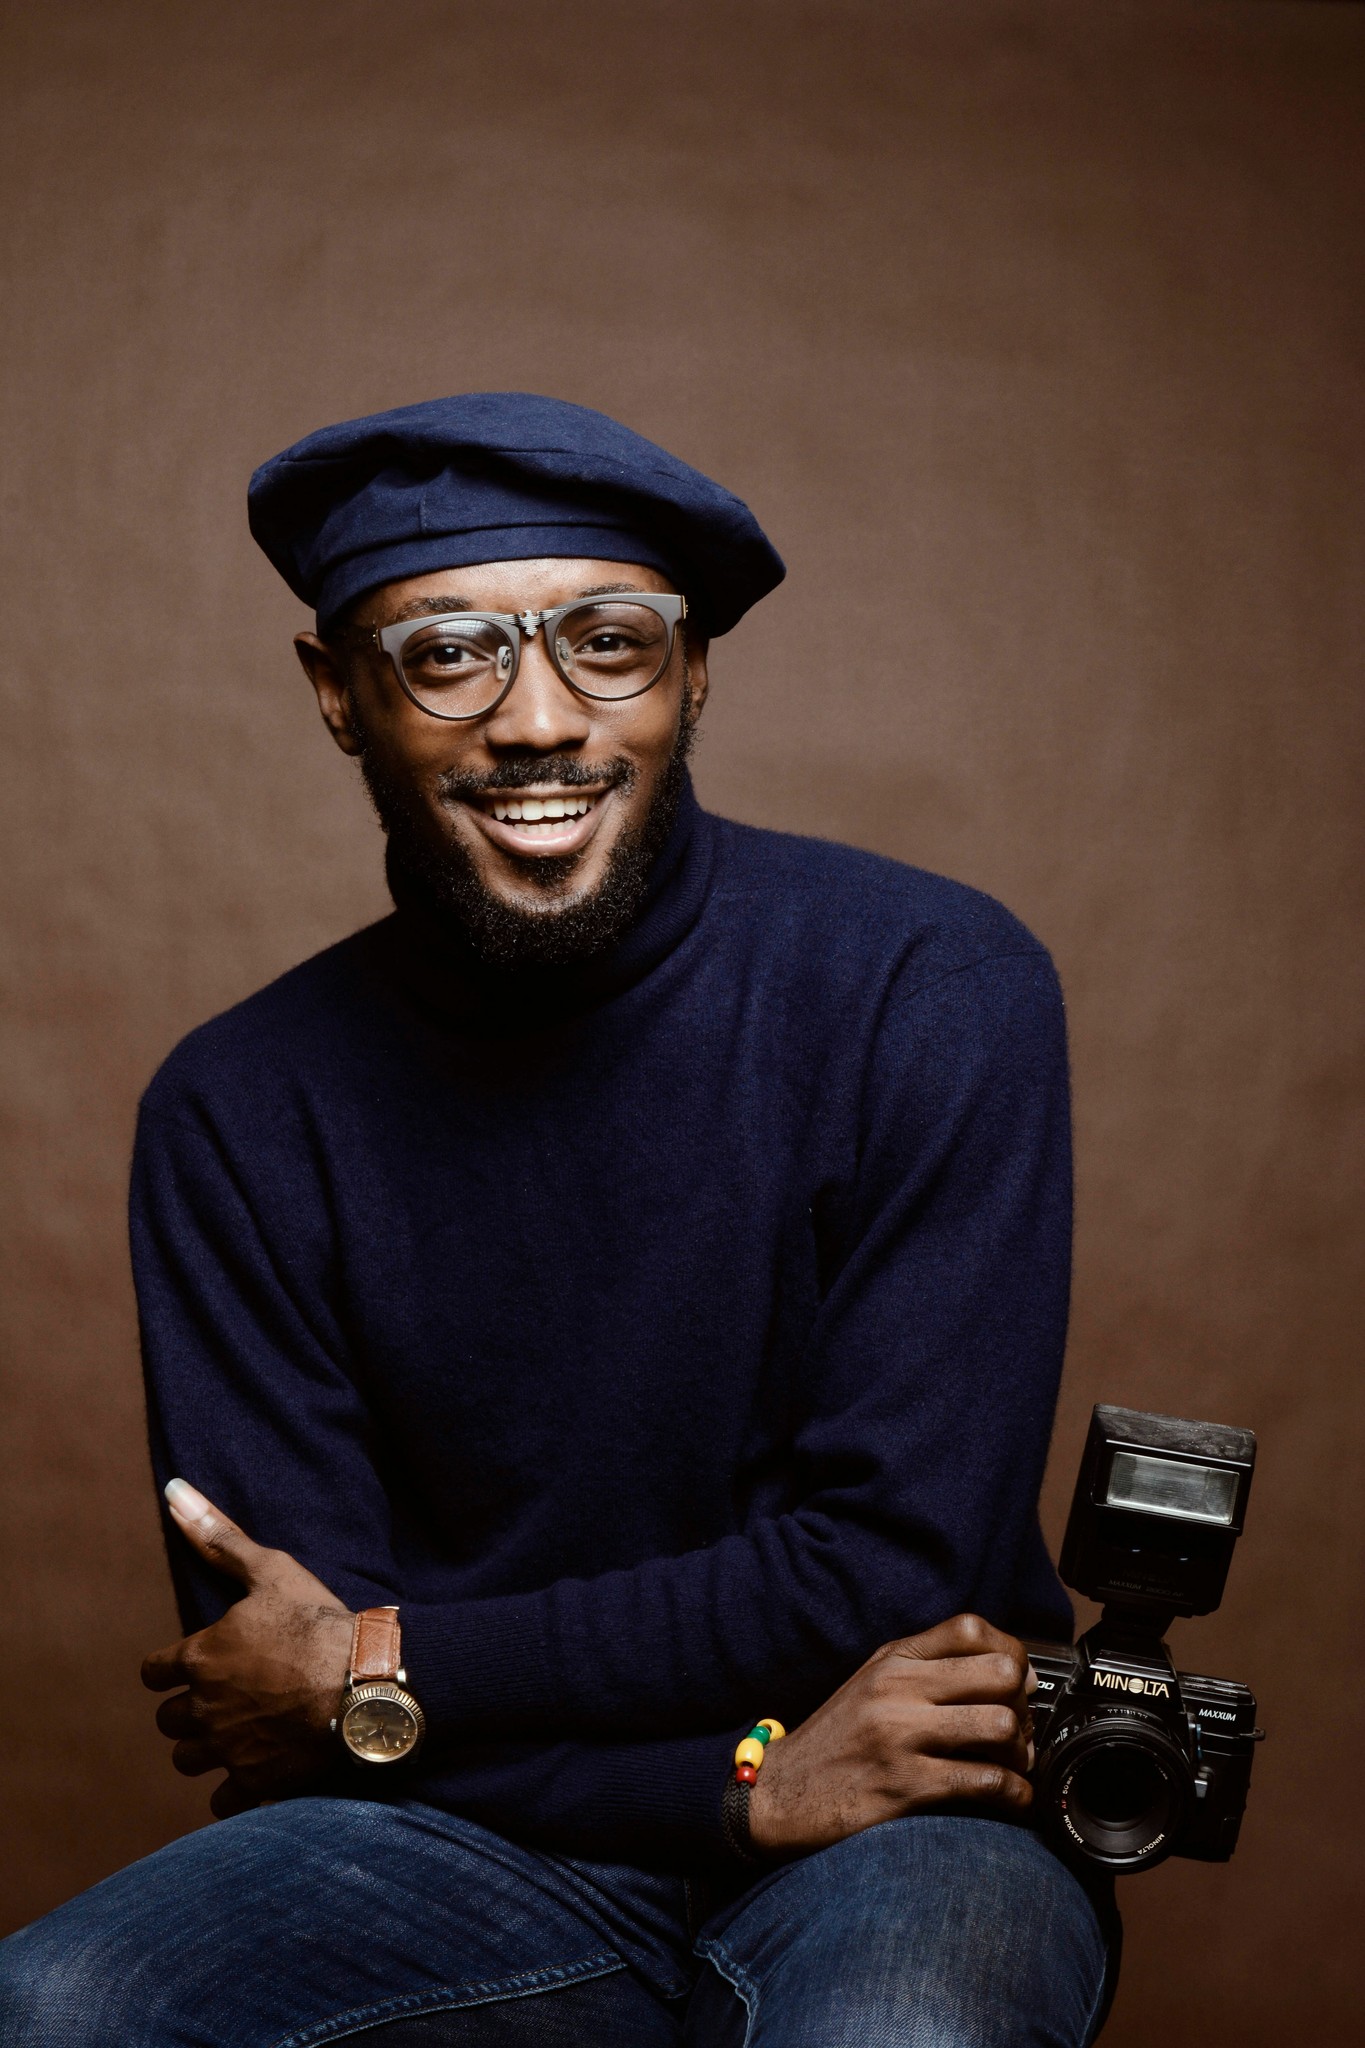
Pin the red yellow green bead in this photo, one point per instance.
(749, 1754)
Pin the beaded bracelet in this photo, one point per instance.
(735, 1805)
(750, 1753)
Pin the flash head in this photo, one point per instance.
(1158, 1507)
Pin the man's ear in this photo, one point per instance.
(323, 670)
(698, 677)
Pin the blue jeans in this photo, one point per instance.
(323, 1919)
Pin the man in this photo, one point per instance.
(604, 1314)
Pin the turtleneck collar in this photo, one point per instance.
(428, 952)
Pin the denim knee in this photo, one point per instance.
(953, 1933)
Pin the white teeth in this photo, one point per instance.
(538, 810)
(541, 816)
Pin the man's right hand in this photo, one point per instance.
(936, 1720)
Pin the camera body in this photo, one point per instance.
(1136, 1761)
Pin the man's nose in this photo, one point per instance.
(540, 711)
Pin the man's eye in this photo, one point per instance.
(446, 658)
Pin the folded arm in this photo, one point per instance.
(937, 1720)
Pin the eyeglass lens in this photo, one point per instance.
(610, 649)
(459, 667)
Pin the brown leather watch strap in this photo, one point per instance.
(376, 1645)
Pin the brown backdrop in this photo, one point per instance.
(1032, 331)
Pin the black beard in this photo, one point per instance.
(506, 935)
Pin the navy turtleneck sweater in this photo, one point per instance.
(661, 1334)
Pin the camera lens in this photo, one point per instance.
(1120, 1792)
(1119, 1788)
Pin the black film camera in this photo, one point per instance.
(1136, 1761)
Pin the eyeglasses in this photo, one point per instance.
(462, 664)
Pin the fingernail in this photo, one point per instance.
(185, 1501)
(1030, 1683)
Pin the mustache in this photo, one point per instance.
(564, 771)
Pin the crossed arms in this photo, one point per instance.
(937, 1720)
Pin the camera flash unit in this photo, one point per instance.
(1158, 1508)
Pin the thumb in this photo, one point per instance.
(219, 1542)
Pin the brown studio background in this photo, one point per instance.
(1033, 333)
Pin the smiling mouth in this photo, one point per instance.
(548, 821)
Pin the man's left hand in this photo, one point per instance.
(263, 1685)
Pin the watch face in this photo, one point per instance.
(379, 1727)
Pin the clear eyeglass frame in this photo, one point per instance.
(518, 628)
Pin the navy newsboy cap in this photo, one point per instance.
(500, 476)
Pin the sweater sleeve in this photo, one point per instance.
(924, 1409)
(250, 1395)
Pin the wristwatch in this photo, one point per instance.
(380, 1722)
